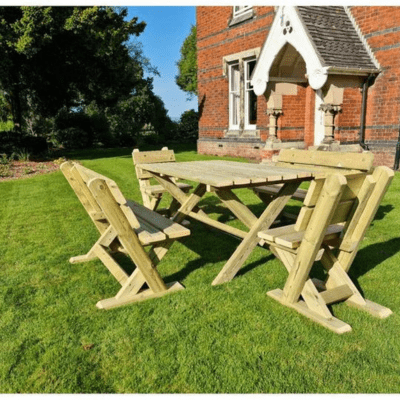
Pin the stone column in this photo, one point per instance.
(274, 110)
(330, 111)
(273, 113)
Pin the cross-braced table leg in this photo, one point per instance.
(251, 239)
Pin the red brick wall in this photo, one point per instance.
(214, 41)
(291, 123)
(381, 28)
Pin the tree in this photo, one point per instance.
(55, 57)
(187, 65)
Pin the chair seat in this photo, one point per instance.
(287, 236)
(154, 227)
(158, 189)
(299, 194)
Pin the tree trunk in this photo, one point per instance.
(16, 110)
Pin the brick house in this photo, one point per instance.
(294, 76)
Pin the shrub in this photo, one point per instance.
(79, 130)
(4, 170)
(10, 142)
(4, 160)
(188, 127)
(33, 144)
(73, 138)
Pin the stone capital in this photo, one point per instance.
(330, 108)
(275, 112)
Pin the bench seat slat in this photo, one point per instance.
(154, 227)
(299, 194)
(287, 236)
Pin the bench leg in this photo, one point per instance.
(131, 292)
(105, 240)
(133, 298)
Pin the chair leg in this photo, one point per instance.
(300, 306)
(173, 208)
(154, 202)
(338, 275)
(313, 305)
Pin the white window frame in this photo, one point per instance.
(234, 97)
(247, 90)
(238, 11)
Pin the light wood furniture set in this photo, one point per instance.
(338, 207)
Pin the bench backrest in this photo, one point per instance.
(79, 178)
(328, 159)
(149, 157)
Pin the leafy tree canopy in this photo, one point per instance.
(54, 57)
(187, 65)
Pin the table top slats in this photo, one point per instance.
(222, 173)
(186, 170)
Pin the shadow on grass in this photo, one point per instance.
(371, 256)
(214, 206)
(382, 211)
(213, 247)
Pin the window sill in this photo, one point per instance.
(246, 133)
(241, 18)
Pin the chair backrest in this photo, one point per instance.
(149, 157)
(356, 206)
(327, 159)
(79, 177)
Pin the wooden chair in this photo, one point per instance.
(126, 227)
(323, 160)
(330, 226)
(152, 194)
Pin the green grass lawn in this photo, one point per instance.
(230, 338)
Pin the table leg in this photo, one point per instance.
(180, 195)
(188, 202)
(232, 202)
(266, 219)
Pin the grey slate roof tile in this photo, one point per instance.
(335, 37)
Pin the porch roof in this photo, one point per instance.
(327, 39)
(335, 37)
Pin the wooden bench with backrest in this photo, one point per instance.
(127, 227)
(331, 224)
(323, 160)
(152, 194)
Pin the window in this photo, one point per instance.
(250, 98)
(234, 96)
(241, 10)
(242, 99)
(240, 14)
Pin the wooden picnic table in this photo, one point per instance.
(220, 177)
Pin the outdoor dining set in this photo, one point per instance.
(343, 195)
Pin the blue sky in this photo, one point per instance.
(166, 30)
